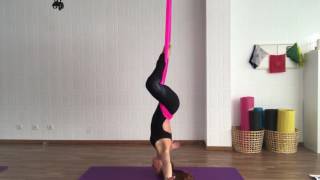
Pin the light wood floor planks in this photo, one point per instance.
(68, 162)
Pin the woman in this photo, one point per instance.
(161, 137)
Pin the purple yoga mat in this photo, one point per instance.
(3, 168)
(147, 173)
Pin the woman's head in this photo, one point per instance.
(181, 175)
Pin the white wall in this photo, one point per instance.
(218, 126)
(83, 69)
(273, 21)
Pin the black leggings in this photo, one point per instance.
(165, 96)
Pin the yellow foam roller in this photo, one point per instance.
(286, 120)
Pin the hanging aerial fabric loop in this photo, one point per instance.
(167, 42)
(168, 99)
(167, 38)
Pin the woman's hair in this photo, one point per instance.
(179, 174)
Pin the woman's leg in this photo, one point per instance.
(164, 94)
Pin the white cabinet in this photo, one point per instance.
(311, 124)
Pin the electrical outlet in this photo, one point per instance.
(35, 127)
(88, 131)
(50, 127)
(19, 126)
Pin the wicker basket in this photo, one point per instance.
(281, 142)
(247, 141)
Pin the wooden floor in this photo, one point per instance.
(59, 162)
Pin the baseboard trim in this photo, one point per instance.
(216, 148)
(95, 142)
(116, 142)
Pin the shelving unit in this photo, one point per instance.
(311, 118)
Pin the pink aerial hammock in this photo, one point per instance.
(167, 42)
(167, 38)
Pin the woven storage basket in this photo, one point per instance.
(247, 141)
(282, 142)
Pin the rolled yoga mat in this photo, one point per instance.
(259, 109)
(256, 119)
(286, 120)
(271, 119)
(246, 104)
(147, 173)
(261, 112)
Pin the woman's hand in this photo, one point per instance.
(156, 164)
(175, 145)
